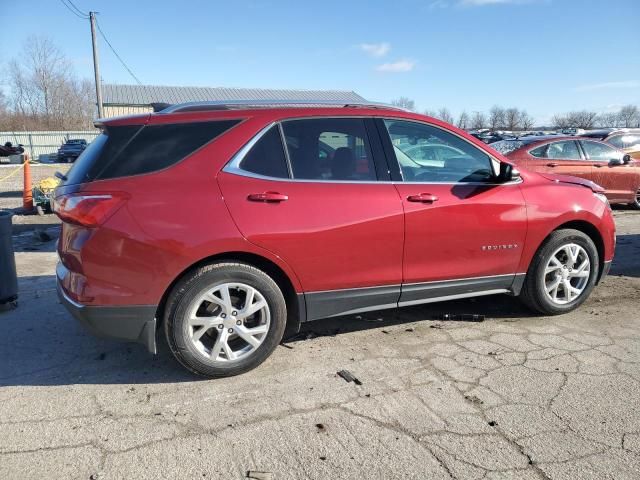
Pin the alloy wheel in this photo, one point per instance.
(228, 322)
(567, 273)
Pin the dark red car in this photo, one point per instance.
(225, 225)
(594, 160)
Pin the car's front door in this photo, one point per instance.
(318, 205)
(562, 157)
(464, 233)
(620, 180)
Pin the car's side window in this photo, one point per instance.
(430, 154)
(567, 150)
(600, 152)
(267, 156)
(540, 152)
(625, 141)
(329, 149)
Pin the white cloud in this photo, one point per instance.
(397, 67)
(606, 85)
(375, 49)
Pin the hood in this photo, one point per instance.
(573, 180)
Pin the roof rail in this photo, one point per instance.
(239, 104)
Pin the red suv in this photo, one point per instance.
(226, 224)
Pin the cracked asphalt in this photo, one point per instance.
(516, 396)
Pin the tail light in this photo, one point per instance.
(88, 210)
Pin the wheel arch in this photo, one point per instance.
(296, 307)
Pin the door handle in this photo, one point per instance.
(597, 165)
(267, 197)
(422, 198)
(552, 164)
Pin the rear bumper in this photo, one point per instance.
(132, 323)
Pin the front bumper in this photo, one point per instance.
(605, 270)
(132, 323)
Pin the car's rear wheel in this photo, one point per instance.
(562, 274)
(224, 319)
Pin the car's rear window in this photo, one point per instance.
(505, 147)
(133, 149)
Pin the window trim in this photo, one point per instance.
(233, 165)
(380, 155)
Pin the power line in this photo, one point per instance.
(77, 12)
(77, 9)
(116, 53)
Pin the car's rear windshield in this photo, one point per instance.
(135, 149)
(505, 147)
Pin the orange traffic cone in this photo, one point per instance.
(27, 193)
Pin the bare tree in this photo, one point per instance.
(629, 116)
(478, 120)
(526, 121)
(404, 102)
(496, 117)
(511, 118)
(560, 121)
(431, 113)
(608, 120)
(463, 120)
(445, 115)
(45, 93)
(577, 119)
(583, 119)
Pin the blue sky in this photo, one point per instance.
(546, 56)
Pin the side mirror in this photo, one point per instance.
(626, 159)
(508, 173)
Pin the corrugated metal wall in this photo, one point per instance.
(117, 110)
(38, 144)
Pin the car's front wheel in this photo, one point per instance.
(636, 203)
(224, 319)
(562, 274)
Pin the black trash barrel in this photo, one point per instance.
(8, 275)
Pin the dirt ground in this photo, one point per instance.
(516, 396)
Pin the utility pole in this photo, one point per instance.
(96, 66)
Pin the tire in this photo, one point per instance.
(211, 282)
(636, 203)
(535, 292)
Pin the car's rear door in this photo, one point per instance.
(562, 157)
(620, 180)
(326, 215)
(464, 233)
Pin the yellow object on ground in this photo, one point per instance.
(48, 184)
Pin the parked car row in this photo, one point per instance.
(583, 156)
(627, 139)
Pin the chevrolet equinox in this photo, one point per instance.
(225, 225)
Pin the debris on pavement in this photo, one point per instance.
(462, 317)
(259, 475)
(349, 377)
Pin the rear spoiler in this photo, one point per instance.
(159, 106)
